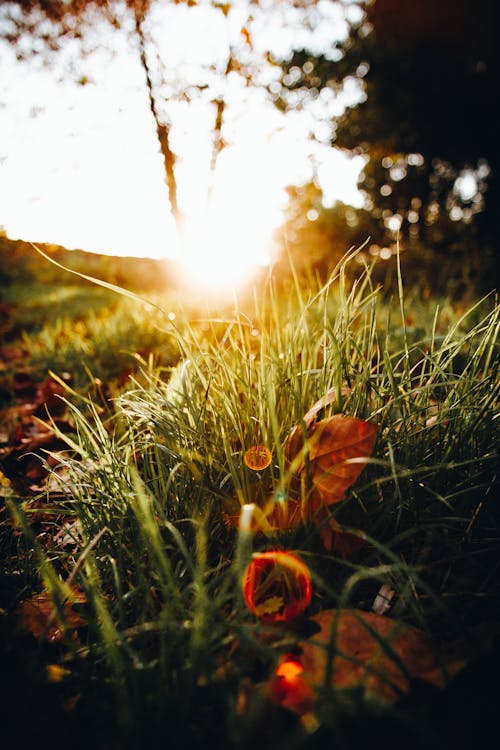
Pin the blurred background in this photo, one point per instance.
(219, 138)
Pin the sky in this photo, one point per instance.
(80, 166)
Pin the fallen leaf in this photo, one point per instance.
(335, 538)
(355, 639)
(38, 617)
(334, 454)
(49, 398)
(294, 441)
(10, 353)
(24, 385)
(32, 447)
(323, 466)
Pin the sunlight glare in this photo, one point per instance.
(80, 166)
(225, 244)
(219, 253)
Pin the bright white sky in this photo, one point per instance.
(80, 167)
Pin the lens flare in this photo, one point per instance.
(290, 686)
(276, 586)
(258, 457)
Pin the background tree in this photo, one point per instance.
(427, 123)
(44, 27)
(255, 31)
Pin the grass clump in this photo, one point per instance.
(149, 487)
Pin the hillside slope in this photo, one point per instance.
(20, 263)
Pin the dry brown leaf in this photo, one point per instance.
(38, 617)
(335, 455)
(295, 439)
(329, 398)
(360, 660)
(326, 464)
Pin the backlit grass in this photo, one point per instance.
(147, 486)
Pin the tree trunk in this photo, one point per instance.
(162, 131)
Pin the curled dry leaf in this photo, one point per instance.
(329, 460)
(30, 443)
(334, 454)
(325, 458)
(295, 439)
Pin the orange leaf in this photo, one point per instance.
(294, 442)
(335, 453)
(335, 442)
(337, 449)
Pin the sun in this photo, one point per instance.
(221, 250)
(227, 242)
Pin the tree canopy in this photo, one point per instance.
(36, 26)
(257, 33)
(409, 87)
(426, 122)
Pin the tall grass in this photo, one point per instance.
(149, 486)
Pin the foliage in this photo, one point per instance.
(80, 330)
(155, 573)
(425, 120)
(315, 237)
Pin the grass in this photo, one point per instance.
(87, 331)
(145, 487)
